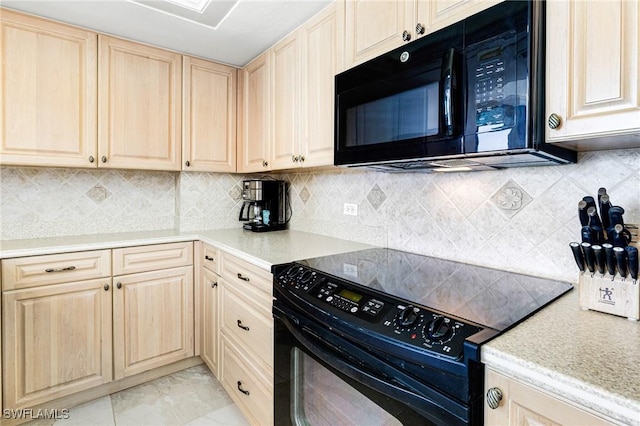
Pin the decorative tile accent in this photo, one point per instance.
(304, 194)
(98, 193)
(376, 197)
(511, 198)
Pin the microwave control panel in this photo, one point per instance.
(492, 70)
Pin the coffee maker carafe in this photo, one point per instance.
(264, 206)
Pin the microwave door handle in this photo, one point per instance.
(447, 92)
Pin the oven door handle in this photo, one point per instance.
(442, 410)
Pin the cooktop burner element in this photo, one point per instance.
(488, 297)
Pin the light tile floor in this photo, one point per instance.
(190, 397)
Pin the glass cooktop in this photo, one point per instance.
(488, 297)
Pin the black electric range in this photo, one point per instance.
(412, 322)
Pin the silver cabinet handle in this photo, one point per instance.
(91, 159)
(265, 163)
(301, 157)
(106, 287)
(119, 285)
(294, 158)
(187, 163)
(242, 277)
(419, 29)
(554, 121)
(104, 158)
(494, 396)
(68, 268)
(214, 284)
(406, 36)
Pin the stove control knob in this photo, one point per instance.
(439, 329)
(408, 316)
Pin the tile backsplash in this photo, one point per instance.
(519, 219)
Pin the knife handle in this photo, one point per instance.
(587, 234)
(589, 257)
(605, 206)
(594, 219)
(615, 216)
(577, 255)
(590, 201)
(610, 259)
(582, 213)
(600, 260)
(632, 257)
(620, 237)
(621, 261)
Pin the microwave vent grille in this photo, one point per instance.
(458, 162)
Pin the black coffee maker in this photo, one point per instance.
(264, 206)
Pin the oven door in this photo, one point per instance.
(323, 379)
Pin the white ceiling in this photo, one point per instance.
(228, 31)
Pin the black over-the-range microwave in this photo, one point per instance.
(469, 96)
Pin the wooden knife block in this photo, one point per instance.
(612, 296)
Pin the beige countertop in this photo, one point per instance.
(586, 357)
(261, 249)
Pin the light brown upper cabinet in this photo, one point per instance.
(254, 103)
(48, 105)
(593, 80)
(208, 116)
(322, 41)
(373, 27)
(139, 106)
(291, 88)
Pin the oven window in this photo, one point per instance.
(319, 398)
(406, 115)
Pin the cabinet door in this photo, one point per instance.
(57, 341)
(209, 319)
(139, 93)
(373, 27)
(208, 116)
(592, 71)
(48, 106)
(153, 320)
(437, 14)
(322, 40)
(522, 405)
(285, 83)
(254, 105)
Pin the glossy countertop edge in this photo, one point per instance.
(261, 249)
(582, 365)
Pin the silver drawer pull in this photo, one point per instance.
(244, 327)
(246, 392)
(68, 268)
(243, 278)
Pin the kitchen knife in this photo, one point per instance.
(620, 237)
(610, 259)
(597, 235)
(615, 216)
(601, 192)
(587, 234)
(632, 257)
(621, 261)
(577, 255)
(590, 201)
(605, 206)
(598, 252)
(589, 257)
(582, 213)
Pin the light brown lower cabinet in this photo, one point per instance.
(246, 338)
(69, 329)
(57, 341)
(523, 405)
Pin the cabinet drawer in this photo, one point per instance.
(248, 387)
(237, 271)
(24, 272)
(130, 260)
(211, 258)
(243, 321)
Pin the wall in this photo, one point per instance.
(519, 219)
